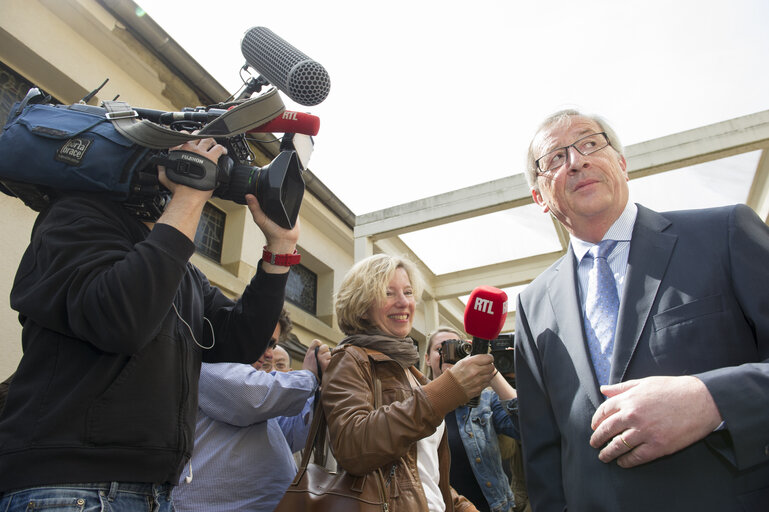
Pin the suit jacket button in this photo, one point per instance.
(766, 450)
(478, 460)
(488, 484)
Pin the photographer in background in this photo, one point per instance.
(115, 323)
(477, 472)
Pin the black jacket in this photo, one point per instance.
(107, 386)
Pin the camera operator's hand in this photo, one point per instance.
(279, 240)
(186, 205)
(474, 372)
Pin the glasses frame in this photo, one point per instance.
(541, 172)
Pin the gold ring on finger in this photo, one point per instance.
(625, 442)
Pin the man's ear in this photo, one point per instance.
(623, 165)
(538, 199)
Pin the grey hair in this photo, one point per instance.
(564, 117)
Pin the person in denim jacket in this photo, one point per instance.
(473, 434)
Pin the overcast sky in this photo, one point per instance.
(432, 96)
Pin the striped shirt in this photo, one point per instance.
(621, 231)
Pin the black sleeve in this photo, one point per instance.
(4, 391)
(244, 327)
(94, 273)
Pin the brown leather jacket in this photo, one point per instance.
(364, 439)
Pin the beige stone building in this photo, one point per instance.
(68, 47)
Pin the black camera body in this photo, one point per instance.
(278, 186)
(454, 350)
(502, 349)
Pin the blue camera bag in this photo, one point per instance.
(68, 148)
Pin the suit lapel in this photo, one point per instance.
(650, 252)
(563, 293)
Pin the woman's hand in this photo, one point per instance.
(474, 373)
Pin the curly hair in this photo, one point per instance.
(365, 285)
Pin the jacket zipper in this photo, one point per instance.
(382, 486)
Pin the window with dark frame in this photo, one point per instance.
(13, 88)
(208, 239)
(302, 288)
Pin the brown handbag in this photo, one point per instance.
(316, 488)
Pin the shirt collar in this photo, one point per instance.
(621, 230)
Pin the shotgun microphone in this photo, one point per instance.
(298, 76)
(485, 315)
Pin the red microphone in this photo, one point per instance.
(485, 315)
(291, 122)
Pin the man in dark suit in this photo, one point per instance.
(657, 399)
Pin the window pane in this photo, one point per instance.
(302, 288)
(208, 239)
(13, 88)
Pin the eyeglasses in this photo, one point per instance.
(556, 158)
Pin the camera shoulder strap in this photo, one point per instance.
(249, 114)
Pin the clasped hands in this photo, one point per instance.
(648, 418)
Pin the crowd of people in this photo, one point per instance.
(641, 357)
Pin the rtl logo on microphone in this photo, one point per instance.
(486, 306)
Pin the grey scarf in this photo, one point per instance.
(401, 350)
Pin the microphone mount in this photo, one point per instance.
(253, 85)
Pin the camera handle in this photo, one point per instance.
(190, 169)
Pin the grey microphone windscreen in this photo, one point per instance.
(301, 78)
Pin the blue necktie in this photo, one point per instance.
(601, 309)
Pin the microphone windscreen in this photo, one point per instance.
(291, 122)
(299, 77)
(486, 312)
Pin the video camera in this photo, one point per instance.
(49, 150)
(502, 349)
(114, 150)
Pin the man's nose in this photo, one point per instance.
(576, 159)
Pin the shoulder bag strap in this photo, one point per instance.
(249, 114)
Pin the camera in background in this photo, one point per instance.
(502, 349)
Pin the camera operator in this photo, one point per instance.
(476, 465)
(116, 322)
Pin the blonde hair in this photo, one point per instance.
(365, 285)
